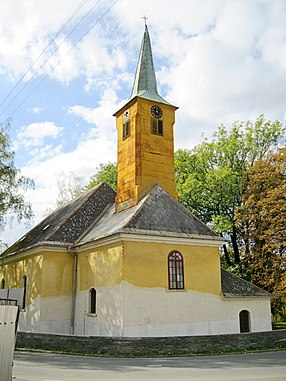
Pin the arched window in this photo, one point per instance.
(176, 271)
(3, 284)
(244, 321)
(92, 301)
(24, 285)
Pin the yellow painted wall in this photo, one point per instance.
(31, 267)
(57, 275)
(100, 267)
(144, 159)
(48, 274)
(146, 265)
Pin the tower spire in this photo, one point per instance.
(145, 85)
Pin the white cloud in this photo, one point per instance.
(218, 60)
(101, 116)
(35, 133)
(97, 146)
(45, 152)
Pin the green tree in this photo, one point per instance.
(261, 219)
(106, 173)
(211, 177)
(12, 184)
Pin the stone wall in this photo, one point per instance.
(163, 346)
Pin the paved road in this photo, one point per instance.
(264, 366)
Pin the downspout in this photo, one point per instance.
(74, 287)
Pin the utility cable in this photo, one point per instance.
(56, 49)
(53, 68)
(37, 59)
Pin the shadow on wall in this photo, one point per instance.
(25, 274)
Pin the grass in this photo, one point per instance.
(280, 325)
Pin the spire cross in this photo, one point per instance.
(145, 18)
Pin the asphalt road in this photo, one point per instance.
(262, 366)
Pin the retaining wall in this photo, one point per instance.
(162, 346)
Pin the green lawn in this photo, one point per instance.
(280, 325)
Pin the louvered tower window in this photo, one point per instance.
(157, 126)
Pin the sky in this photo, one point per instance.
(67, 65)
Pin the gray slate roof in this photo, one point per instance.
(92, 216)
(67, 223)
(156, 214)
(235, 287)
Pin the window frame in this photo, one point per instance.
(126, 129)
(176, 278)
(156, 126)
(92, 301)
(24, 285)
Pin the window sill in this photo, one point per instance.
(176, 290)
(91, 315)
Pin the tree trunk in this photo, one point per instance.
(226, 255)
(233, 238)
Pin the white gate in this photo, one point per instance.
(9, 315)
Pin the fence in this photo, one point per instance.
(10, 302)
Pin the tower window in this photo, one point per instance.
(157, 126)
(3, 284)
(92, 301)
(176, 271)
(126, 129)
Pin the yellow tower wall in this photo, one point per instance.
(144, 158)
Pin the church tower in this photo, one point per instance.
(145, 136)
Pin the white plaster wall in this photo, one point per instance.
(55, 326)
(48, 315)
(160, 312)
(55, 315)
(29, 319)
(108, 318)
(127, 310)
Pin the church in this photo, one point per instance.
(135, 263)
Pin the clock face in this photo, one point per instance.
(156, 111)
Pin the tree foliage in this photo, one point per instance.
(262, 220)
(106, 173)
(12, 184)
(211, 177)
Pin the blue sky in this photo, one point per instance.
(218, 60)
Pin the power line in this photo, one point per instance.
(46, 61)
(53, 68)
(36, 60)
